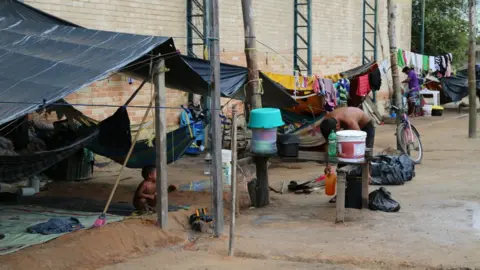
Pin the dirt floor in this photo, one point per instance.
(438, 225)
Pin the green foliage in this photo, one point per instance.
(446, 28)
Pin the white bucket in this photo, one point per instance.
(351, 146)
(427, 110)
(227, 167)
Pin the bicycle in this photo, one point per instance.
(407, 135)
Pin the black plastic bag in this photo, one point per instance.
(381, 200)
(392, 170)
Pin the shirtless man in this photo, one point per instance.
(145, 198)
(350, 118)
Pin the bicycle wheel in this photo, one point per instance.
(409, 140)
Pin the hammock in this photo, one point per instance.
(143, 155)
(18, 168)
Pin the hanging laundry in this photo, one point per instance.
(448, 71)
(330, 92)
(343, 86)
(297, 83)
(419, 62)
(425, 63)
(375, 79)
(438, 63)
(408, 58)
(384, 67)
(431, 63)
(316, 85)
(363, 86)
(400, 58)
(322, 87)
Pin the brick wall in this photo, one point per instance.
(337, 38)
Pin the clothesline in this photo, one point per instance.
(426, 63)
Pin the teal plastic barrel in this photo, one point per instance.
(264, 123)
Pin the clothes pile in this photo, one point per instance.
(56, 226)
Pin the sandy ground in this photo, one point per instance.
(438, 225)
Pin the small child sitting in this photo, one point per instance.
(145, 198)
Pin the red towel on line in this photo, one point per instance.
(363, 85)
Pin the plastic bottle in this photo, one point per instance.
(330, 184)
(332, 144)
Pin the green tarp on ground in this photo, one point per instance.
(14, 221)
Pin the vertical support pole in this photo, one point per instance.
(231, 243)
(392, 16)
(365, 180)
(189, 29)
(255, 96)
(422, 27)
(472, 80)
(161, 144)
(364, 29)
(375, 51)
(309, 37)
(340, 204)
(295, 32)
(216, 124)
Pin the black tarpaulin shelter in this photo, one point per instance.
(45, 58)
(455, 88)
(234, 79)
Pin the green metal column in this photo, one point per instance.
(196, 26)
(369, 36)
(302, 31)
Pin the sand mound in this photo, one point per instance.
(94, 248)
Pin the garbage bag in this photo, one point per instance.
(381, 200)
(392, 170)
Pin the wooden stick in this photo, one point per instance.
(340, 204)
(127, 157)
(231, 242)
(365, 180)
(216, 140)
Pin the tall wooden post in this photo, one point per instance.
(254, 96)
(161, 143)
(472, 80)
(392, 16)
(234, 209)
(216, 142)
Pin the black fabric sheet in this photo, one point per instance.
(234, 79)
(456, 88)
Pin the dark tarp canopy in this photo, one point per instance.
(44, 62)
(45, 58)
(234, 80)
(455, 88)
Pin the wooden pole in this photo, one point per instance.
(216, 142)
(472, 80)
(231, 242)
(392, 16)
(161, 143)
(254, 96)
